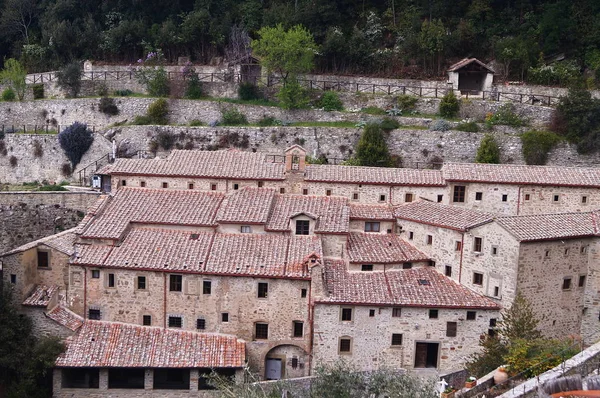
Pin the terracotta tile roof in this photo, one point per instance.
(333, 214)
(41, 296)
(466, 61)
(249, 205)
(445, 216)
(551, 226)
(375, 248)
(65, 317)
(110, 345)
(261, 255)
(90, 254)
(361, 211)
(373, 175)
(522, 174)
(417, 287)
(62, 241)
(153, 206)
(233, 164)
(91, 212)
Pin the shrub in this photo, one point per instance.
(293, 96)
(577, 118)
(158, 111)
(142, 120)
(330, 101)
(14, 74)
(69, 79)
(449, 105)
(8, 94)
(388, 124)
(536, 145)
(439, 125)
(233, 117)
(195, 123)
(193, 88)
(13, 161)
(267, 121)
(373, 110)
(505, 115)
(102, 90)
(66, 169)
(407, 102)
(165, 140)
(488, 151)
(38, 151)
(559, 73)
(52, 188)
(107, 106)
(123, 93)
(38, 91)
(248, 92)
(372, 150)
(75, 140)
(469, 127)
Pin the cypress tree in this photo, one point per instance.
(372, 150)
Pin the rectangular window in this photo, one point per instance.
(433, 314)
(477, 244)
(346, 314)
(494, 250)
(566, 284)
(527, 197)
(303, 293)
(206, 287)
(345, 345)
(431, 263)
(496, 291)
(263, 290)
(459, 194)
(583, 250)
(566, 252)
(298, 329)
(305, 191)
(225, 317)
(429, 239)
(471, 315)
(451, 329)
(175, 283)
(175, 322)
(246, 229)
(547, 253)
(261, 184)
(396, 312)
(328, 192)
(440, 198)
(555, 198)
(165, 185)
(200, 323)
(213, 187)
(504, 198)
(584, 200)
(448, 271)
(13, 278)
(396, 339)
(95, 273)
(492, 322)
(408, 197)
(141, 282)
(366, 267)
(190, 185)
(236, 187)
(282, 190)
(147, 320)
(382, 198)
(581, 282)
(407, 265)
(457, 246)
(111, 280)
(355, 196)
(478, 196)
(477, 278)
(94, 314)
(123, 183)
(261, 331)
(43, 259)
(302, 227)
(143, 184)
(411, 235)
(371, 313)
(371, 226)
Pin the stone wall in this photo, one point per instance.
(72, 200)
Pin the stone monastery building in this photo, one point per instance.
(210, 260)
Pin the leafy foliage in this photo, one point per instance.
(14, 75)
(469, 127)
(75, 140)
(52, 188)
(372, 149)
(293, 96)
(165, 140)
(505, 115)
(151, 73)
(330, 101)
(38, 91)
(439, 125)
(158, 112)
(488, 151)
(233, 117)
(388, 124)
(536, 144)
(193, 86)
(8, 94)
(577, 118)
(107, 106)
(449, 105)
(407, 103)
(69, 79)
(248, 92)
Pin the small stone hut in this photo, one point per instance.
(471, 76)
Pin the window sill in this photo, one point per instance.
(44, 268)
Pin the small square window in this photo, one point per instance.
(143, 184)
(303, 293)
(371, 313)
(147, 320)
(123, 183)
(407, 265)
(246, 229)
(492, 322)
(165, 185)
(261, 331)
(396, 339)
(408, 197)
(13, 278)
(200, 323)
(261, 184)
(141, 282)
(302, 227)
(581, 282)
(494, 250)
(448, 270)
(94, 314)
(566, 284)
(213, 187)
(206, 287)
(355, 196)
(282, 190)
(477, 278)
(478, 195)
(555, 198)
(225, 317)
(396, 312)
(263, 290)
(345, 345)
(451, 329)
(457, 246)
(191, 185)
(111, 280)
(305, 191)
(95, 273)
(584, 200)
(527, 196)
(236, 187)
(372, 226)
(504, 198)
(471, 315)
(366, 267)
(175, 283)
(347, 314)
(431, 263)
(429, 239)
(298, 329)
(440, 198)
(328, 192)
(382, 198)
(433, 314)
(175, 322)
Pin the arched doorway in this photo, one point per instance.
(286, 361)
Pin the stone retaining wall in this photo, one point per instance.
(80, 201)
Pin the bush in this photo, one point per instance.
(505, 115)
(52, 188)
(142, 120)
(13, 161)
(577, 118)
(373, 110)
(439, 125)
(38, 151)
(330, 101)
(561, 73)
(233, 117)
(38, 91)
(407, 103)
(66, 169)
(268, 121)
(388, 124)
(102, 90)
(536, 145)
(449, 105)
(469, 127)
(123, 93)
(158, 112)
(8, 94)
(248, 92)
(195, 123)
(69, 79)
(75, 140)
(107, 106)
(165, 140)
(488, 151)
(293, 96)
(193, 89)
(372, 149)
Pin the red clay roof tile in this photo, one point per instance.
(445, 216)
(373, 175)
(376, 248)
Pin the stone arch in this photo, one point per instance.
(286, 361)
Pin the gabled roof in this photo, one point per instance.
(373, 175)
(362, 211)
(65, 317)
(230, 163)
(440, 215)
(41, 296)
(376, 248)
(331, 212)
(153, 206)
(248, 206)
(417, 287)
(522, 174)
(62, 242)
(117, 345)
(467, 61)
(551, 226)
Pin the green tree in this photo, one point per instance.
(577, 118)
(69, 79)
(432, 40)
(536, 145)
(372, 150)
(488, 151)
(14, 75)
(449, 105)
